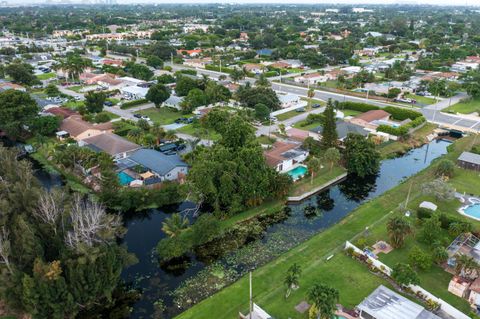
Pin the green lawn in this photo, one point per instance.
(348, 112)
(113, 100)
(325, 175)
(74, 104)
(287, 115)
(163, 115)
(198, 131)
(302, 125)
(75, 88)
(466, 181)
(46, 76)
(264, 139)
(351, 278)
(421, 99)
(465, 107)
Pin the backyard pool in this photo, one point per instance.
(297, 172)
(473, 211)
(125, 179)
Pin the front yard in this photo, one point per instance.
(466, 107)
(163, 115)
(306, 184)
(421, 99)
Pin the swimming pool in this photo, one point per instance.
(297, 172)
(125, 179)
(472, 211)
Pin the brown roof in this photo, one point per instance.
(111, 143)
(274, 156)
(61, 111)
(475, 286)
(372, 115)
(75, 126)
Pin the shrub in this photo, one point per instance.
(401, 114)
(133, 103)
(445, 168)
(420, 259)
(270, 74)
(355, 106)
(217, 68)
(423, 213)
(102, 117)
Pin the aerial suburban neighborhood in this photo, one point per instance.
(239, 160)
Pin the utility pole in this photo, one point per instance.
(251, 297)
(171, 58)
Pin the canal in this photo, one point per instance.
(172, 288)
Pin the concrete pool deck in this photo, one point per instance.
(467, 201)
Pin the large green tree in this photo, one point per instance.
(398, 229)
(324, 299)
(158, 94)
(17, 110)
(360, 155)
(329, 132)
(94, 101)
(21, 73)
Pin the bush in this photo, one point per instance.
(133, 103)
(423, 213)
(401, 130)
(102, 117)
(355, 106)
(401, 114)
(269, 74)
(445, 168)
(217, 68)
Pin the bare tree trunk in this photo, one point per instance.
(5, 249)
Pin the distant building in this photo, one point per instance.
(112, 144)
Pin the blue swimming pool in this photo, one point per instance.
(125, 179)
(473, 210)
(297, 172)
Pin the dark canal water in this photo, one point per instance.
(179, 285)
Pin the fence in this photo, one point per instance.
(444, 306)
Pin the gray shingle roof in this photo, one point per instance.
(157, 161)
(343, 128)
(470, 158)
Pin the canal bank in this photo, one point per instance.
(185, 282)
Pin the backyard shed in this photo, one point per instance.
(469, 160)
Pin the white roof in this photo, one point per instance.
(428, 205)
(135, 90)
(288, 98)
(130, 79)
(384, 303)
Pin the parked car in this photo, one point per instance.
(138, 116)
(300, 110)
(316, 105)
(108, 103)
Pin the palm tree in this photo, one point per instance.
(237, 75)
(310, 94)
(398, 228)
(332, 155)
(174, 225)
(324, 299)
(314, 165)
(262, 81)
(158, 132)
(466, 267)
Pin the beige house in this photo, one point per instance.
(371, 118)
(79, 129)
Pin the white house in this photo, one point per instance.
(288, 100)
(284, 156)
(134, 92)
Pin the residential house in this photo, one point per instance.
(174, 102)
(311, 78)
(134, 92)
(469, 160)
(460, 287)
(198, 63)
(79, 129)
(116, 63)
(343, 129)
(284, 156)
(254, 68)
(297, 64)
(129, 81)
(300, 135)
(373, 34)
(190, 53)
(63, 112)
(474, 296)
(164, 167)
(112, 144)
(288, 100)
(371, 119)
(243, 37)
(11, 86)
(352, 69)
(384, 303)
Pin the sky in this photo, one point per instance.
(437, 2)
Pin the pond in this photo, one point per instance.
(181, 284)
(174, 287)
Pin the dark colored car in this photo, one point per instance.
(108, 103)
(138, 116)
(316, 105)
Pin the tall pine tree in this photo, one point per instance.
(329, 134)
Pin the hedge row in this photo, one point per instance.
(133, 103)
(217, 68)
(397, 113)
